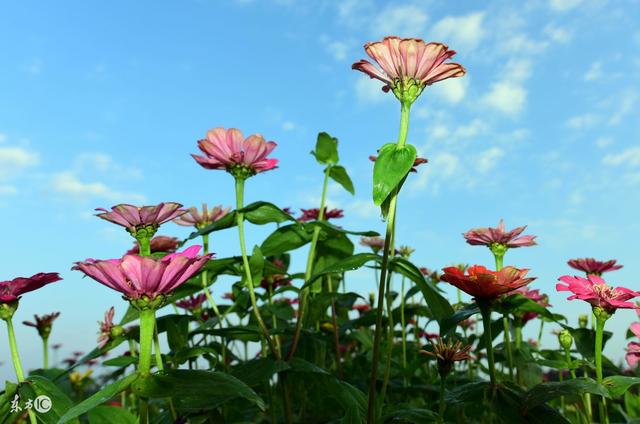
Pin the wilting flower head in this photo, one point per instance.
(11, 290)
(229, 150)
(414, 168)
(484, 284)
(158, 244)
(594, 266)
(108, 329)
(314, 213)
(142, 222)
(405, 251)
(375, 243)
(194, 218)
(447, 353)
(633, 348)
(599, 294)
(496, 238)
(145, 278)
(408, 65)
(43, 323)
(536, 296)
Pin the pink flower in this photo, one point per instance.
(274, 281)
(193, 218)
(633, 348)
(314, 213)
(594, 266)
(192, 303)
(536, 296)
(375, 243)
(595, 291)
(105, 328)
(134, 217)
(136, 276)
(488, 236)
(43, 323)
(228, 150)
(158, 244)
(408, 63)
(11, 290)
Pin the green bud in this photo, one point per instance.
(241, 172)
(116, 331)
(8, 309)
(145, 303)
(583, 320)
(601, 313)
(566, 339)
(407, 91)
(372, 298)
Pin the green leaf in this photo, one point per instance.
(177, 327)
(392, 165)
(348, 264)
(259, 370)
(585, 339)
(198, 390)
(412, 415)
(544, 392)
(111, 415)
(40, 386)
(617, 385)
(452, 321)
(286, 238)
(256, 265)
(326, 152)
(470, 392)
(183, 355)
(331, 230)
(439, 305)
(98, 398)
(339, 175)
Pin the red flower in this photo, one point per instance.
(593, 266)
(482, 283)
(134, 217)
(596, 292)
(362, 308)
(11, 290)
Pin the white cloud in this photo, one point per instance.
(337, 49)
(68, 183)
(522, 44)
(15, 159)
(563, 5)
(3, 138)
(558, 34)
(629, 157)
(451, 90)
(507, 97)
(603, 142)
(102, 162)
(580, 122)
(288, 126)
(487, 160)
(405, 21)
(369, 90)
(518, 70)
(363, 208)
(7, 189)
(625, 103)
(594, 72)
(461, 32)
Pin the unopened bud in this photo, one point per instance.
(566, 339)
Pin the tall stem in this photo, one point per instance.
(336, 330)
(441, 405)
(405, 108)
(212, 303)
(604, 417)
(485, 309)
(403, 322)
(15, 357)
(147, 325)
(505, 322)
(247, 269)
(304, 294)
(45, 352)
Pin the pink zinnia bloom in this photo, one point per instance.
(599, 294)
(11, 290)
(137, 276)
(229, 150)
(375, 243)
(633, 348)
(314, 213)
(192, 303)
(488, 236)
(158, 244)
(105, 327)
(133, 217)
(43, 323)
(195, 218)
(536, 296)
(482, 283)
(407, 62)
(594, 266)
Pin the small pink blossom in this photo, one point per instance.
(136, 276)
(12, 289)
(133, 217)
(488, 236)
(195, 218)
(593, 266)
(536, 296)
(228, 149)
(374, 243)
(105, 328)
(314, 213)
(599, 294)
(43, 323)
(192, 303)
(633, 348)
(157, 244)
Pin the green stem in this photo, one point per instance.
(604, 418)
(336, 331)
(15, 357)
(147, 325)
(441, 405)
(45, 352)
(390, 338)
(507, 344)
(144, 245)
(210, 301)
(403, 322)
(304, 294)
(247, 269)
(156, 347)
(485, 309)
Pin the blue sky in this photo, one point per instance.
(102, 103)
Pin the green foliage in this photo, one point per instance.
(391, 166)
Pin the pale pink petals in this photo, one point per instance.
(486, 236)
(594, 266)
(130, 216)
(193, 217)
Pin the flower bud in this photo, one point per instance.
(8, 309)
(566, 339)
(583, 320)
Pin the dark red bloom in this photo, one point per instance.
(43, 323)
(192, 303)
(313, 214)
(11, 290)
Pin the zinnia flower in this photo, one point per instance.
(137, 277)
(12, 290)
(594, 266)
(105, 327)
(599, 294)
(274, 281)
(314, 213)
(447, 353)
(536, 296)
(157, 244)
(488, 236)
(192, 303)
(228, 150)
(405, 251)
(135, 218)
(194, 218)
(375, 243)
(43, 323)
(408, 65)
(484, 284)
(633, 348)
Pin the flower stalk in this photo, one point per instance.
(601, 318)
